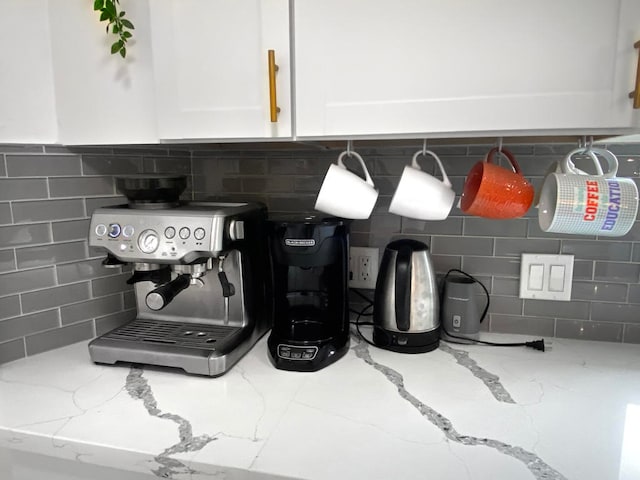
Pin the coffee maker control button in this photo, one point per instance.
(199, 233)
(148, 241)
(127, 231)
(184, 233)
(101, 230)
(169, 232)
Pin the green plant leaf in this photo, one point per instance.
(123, 52)
(110, 7)
(122, 13)
(116, 29)
(104, 16)
(126, 34)
(128, 24)
(98, 4)
(116, 46)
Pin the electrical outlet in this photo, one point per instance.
(363, 267)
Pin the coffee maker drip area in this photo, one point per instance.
(200, 275)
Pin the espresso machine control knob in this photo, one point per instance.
(148, 241)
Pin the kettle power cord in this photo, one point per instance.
(538, 344)
(535, 344)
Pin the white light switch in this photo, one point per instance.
(546, 277)
(556, 278)
(536, 276)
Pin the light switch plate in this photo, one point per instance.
(546, 277)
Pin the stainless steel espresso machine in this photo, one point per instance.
(200, 274)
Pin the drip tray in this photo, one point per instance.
(181, 334)
(199, 348)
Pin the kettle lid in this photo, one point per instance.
(403, 243)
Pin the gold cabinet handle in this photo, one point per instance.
(636, 93)
(273, 101)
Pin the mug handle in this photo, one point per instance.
(414, 164)
(612, 161)
(567, 166)
(506, 153)
(359, 158)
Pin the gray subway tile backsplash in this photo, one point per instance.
(111, 165)
(59, 337)
(54, 297)
(617, 272)
(49, 210)
(7, 261)
(26, 280)
(543, 326)
(23, 188)
(81, 187)
(599, 291)
(70, 230)
(12, 350)
(28, 324)
(42, 165)
(9, 306)
(98, 307)
(43, 255)
(586, 330)
(608, 312)
(553, 308)
(22, 235)
(54, 289)
(598, 250)
(631, 334)
(5, 213)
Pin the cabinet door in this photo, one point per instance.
(27, 103)
(211, 68)
(464, 67)
(101, 98)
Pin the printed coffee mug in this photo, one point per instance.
(575, 203)
(345, 194)
(420, 195)
(491, 191)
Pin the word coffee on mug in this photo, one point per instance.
(420, 195)
(574, 202)
(345, 194)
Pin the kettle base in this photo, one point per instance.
(402, 342)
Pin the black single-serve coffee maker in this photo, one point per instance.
(310, 267)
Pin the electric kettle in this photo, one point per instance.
(406, 304)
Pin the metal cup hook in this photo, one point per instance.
(349, 147)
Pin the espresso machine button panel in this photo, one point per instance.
(151, 237)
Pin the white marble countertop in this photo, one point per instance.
(460, 412)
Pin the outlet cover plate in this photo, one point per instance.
(546, 277)
(363, 267)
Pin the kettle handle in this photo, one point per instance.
(403, 288)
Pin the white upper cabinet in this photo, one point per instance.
(465, 67)
(212, 72)
(27, 102)
(101, 98)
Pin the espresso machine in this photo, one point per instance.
(310, 265)
(200, 275)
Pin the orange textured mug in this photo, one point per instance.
(491, 191)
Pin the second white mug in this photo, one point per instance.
(420, 195)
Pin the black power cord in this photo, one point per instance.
(535, 344)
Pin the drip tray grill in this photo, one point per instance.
(194, 335)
